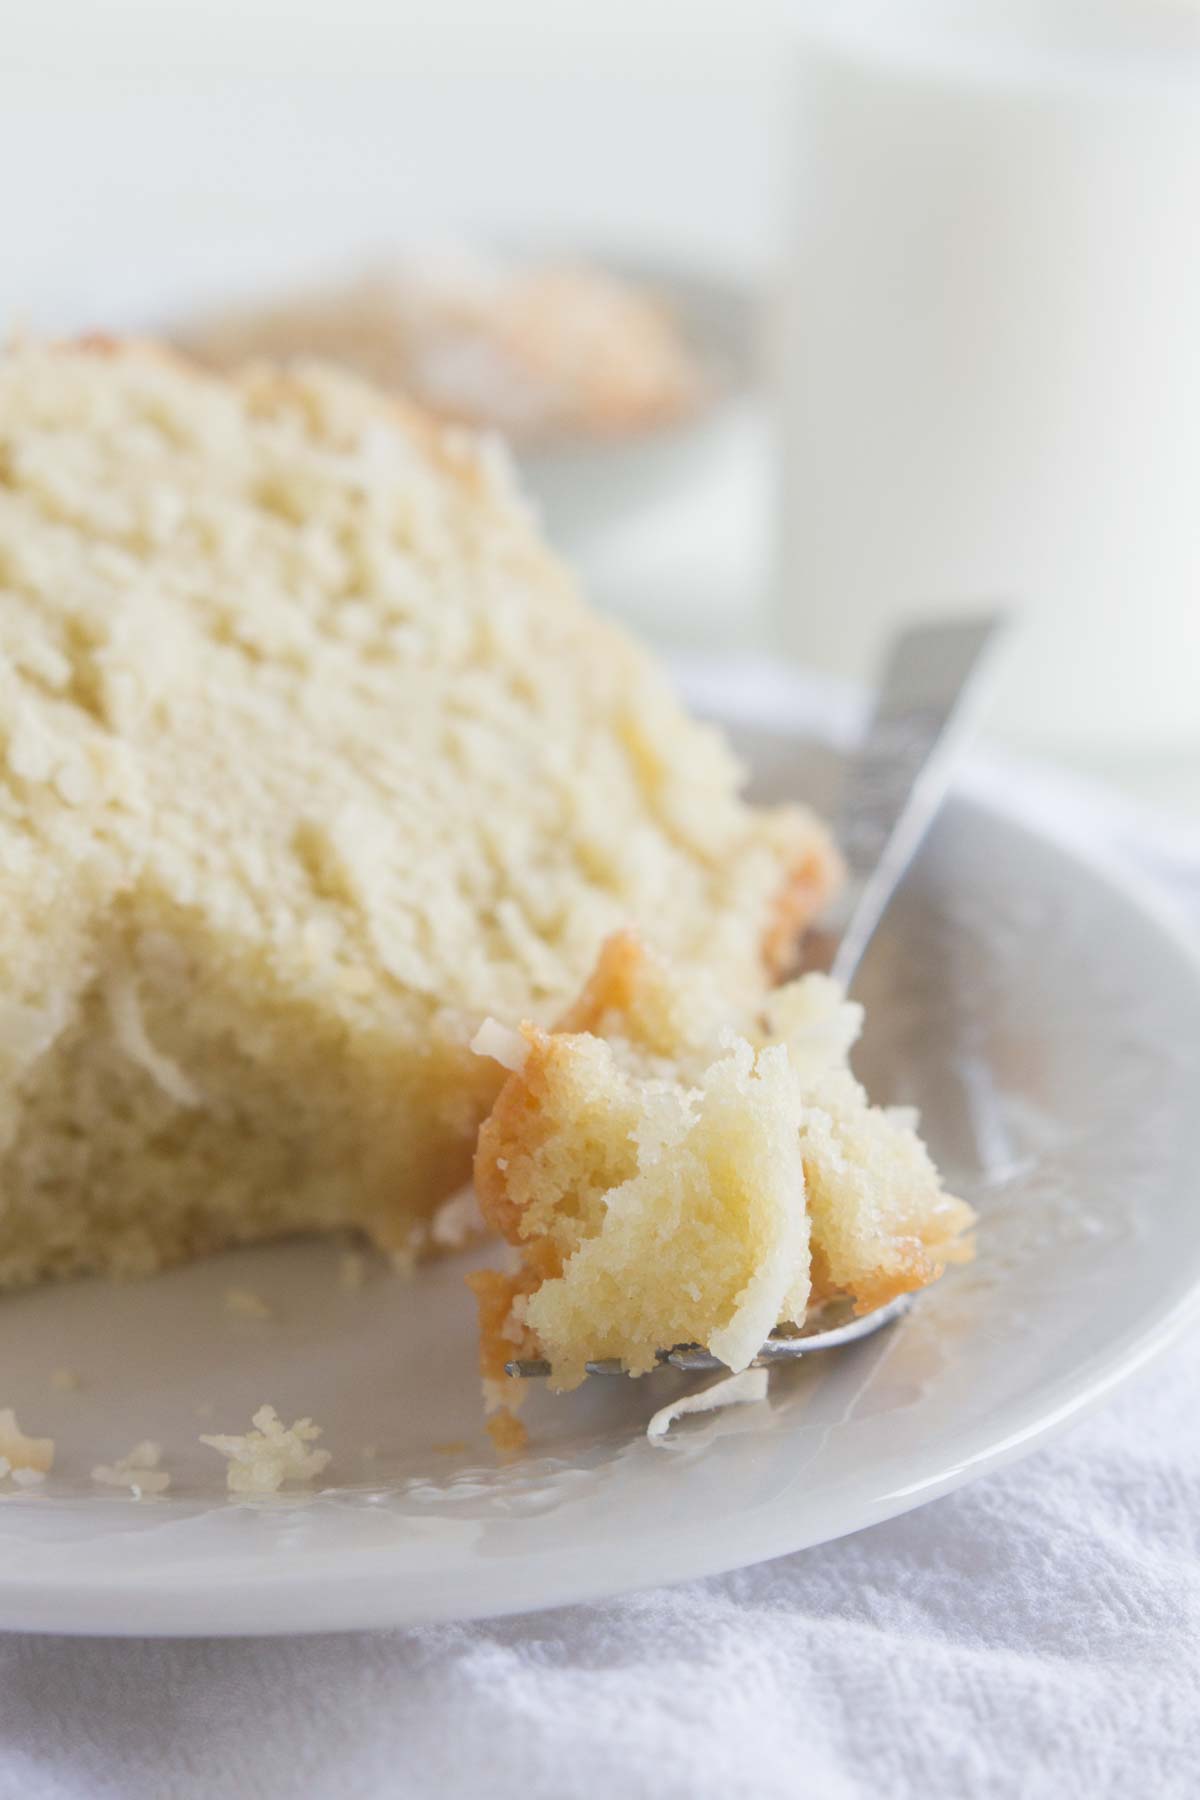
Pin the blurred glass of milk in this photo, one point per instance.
(991, 348)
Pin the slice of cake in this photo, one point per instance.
(673, 1168)
(310, 759)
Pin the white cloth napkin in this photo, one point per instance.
(1034, 1635)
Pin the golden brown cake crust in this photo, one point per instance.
(811, 882)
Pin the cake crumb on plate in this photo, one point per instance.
(26, 1478)
(138, 1470)
(19, 1453)
(262, 1460)
(244, 1303)
(457, 1220)
(507, 1432)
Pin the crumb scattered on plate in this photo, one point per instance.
(352, 1271)
(64, 1381)
(458, 1219)
(244, 1303)
(138, 1470)
(27, 1460)
(262, 1460)
(404, 1259)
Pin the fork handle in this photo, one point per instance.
(897, 778)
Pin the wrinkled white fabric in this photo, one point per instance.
(1035, 1635)
(1032, 1636)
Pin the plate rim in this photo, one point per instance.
(351, 1589)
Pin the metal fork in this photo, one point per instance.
(894, 783)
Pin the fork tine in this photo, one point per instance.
(781, 1346)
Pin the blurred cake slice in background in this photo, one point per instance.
(538, 350)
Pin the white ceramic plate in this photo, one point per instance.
(1047, 1023)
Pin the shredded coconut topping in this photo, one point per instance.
(129, 1029)
(27, 1478)
(244, 1303)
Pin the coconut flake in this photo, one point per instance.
(18, 1452)
(457, 1221)
(730, 1390)
(502, 1044)
(138, 1470)
(129, 1029)
(244, 1303)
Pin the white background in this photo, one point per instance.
(153, 154)
(644, 121)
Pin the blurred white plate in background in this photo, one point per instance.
(583, 487)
